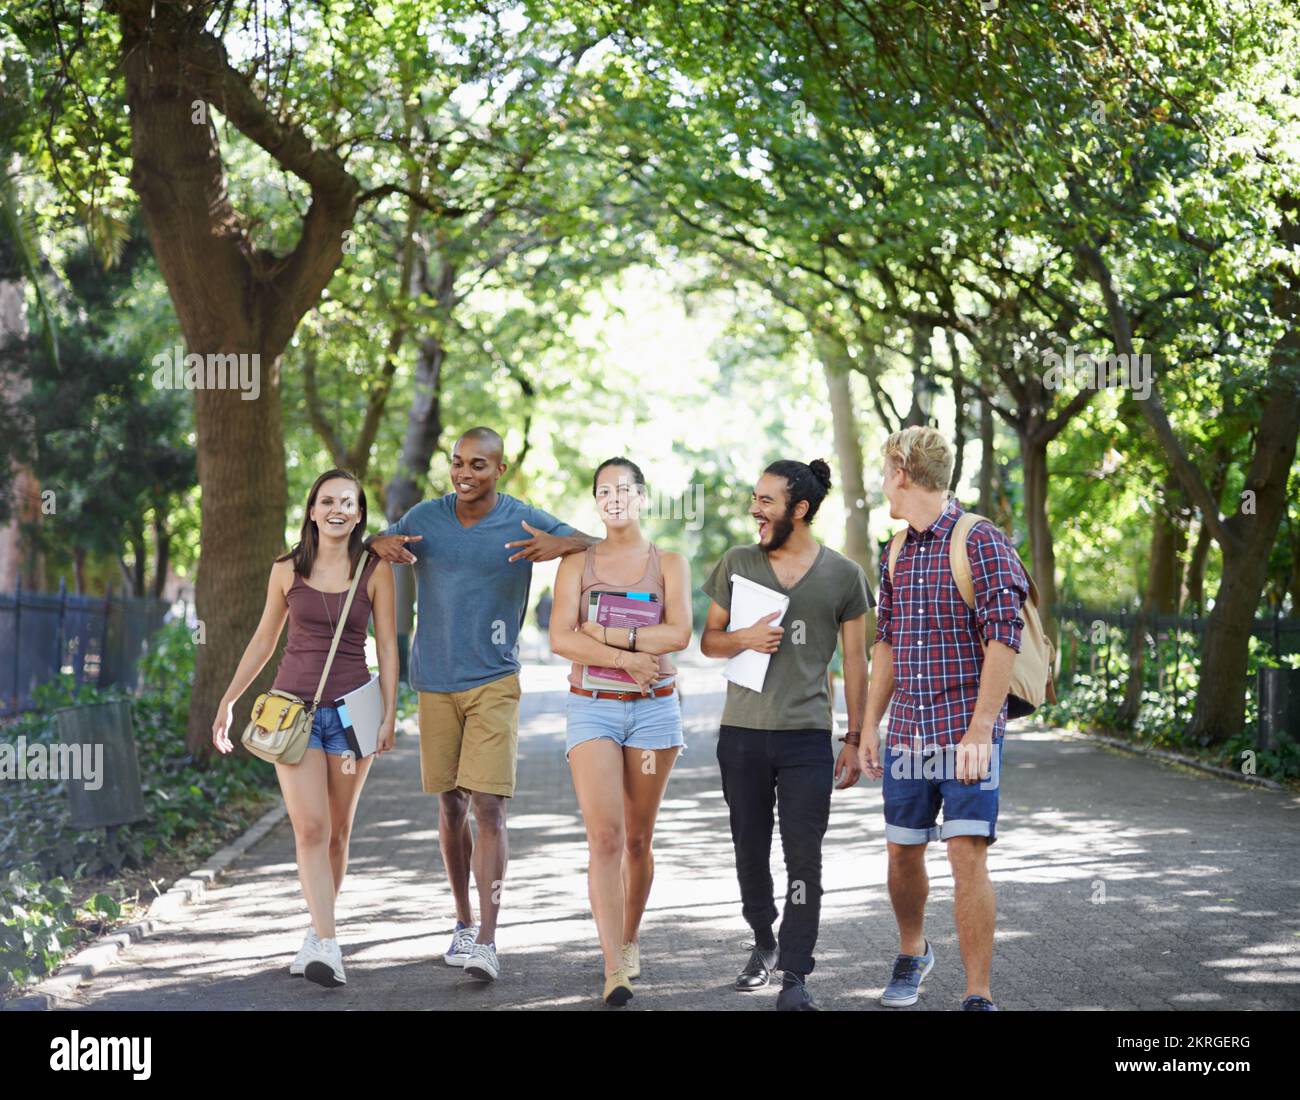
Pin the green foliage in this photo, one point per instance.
(181, 798)
(44, 856)
(36, 924)
(1091, 703)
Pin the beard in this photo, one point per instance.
(782, 529)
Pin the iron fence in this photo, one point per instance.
(96, 639)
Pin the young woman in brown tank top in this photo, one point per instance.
(308, 586)
(621, 748)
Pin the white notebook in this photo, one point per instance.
(749, 603)
(361, 711)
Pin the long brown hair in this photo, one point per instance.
(304, 552)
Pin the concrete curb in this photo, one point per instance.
(1165, 755)
(103, 952)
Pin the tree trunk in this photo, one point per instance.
(1042, 551)
(1295, 578)
(1159, 598)
(1247, 536)
(23, 489)
(1221, 698)
(988, 460)
(162, 554)
(1195, 590)
(960, 411)
(919, 413)
(230, 297)
(848, 452)
(1195, 597)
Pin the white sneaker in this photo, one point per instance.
(483, 963)
(299, 963)
(462, 944)
(325, 964)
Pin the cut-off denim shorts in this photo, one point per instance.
(647, 723)
(327, 733)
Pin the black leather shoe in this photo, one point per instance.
(794, 996)
(758, 971)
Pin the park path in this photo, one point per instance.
(1200, 879)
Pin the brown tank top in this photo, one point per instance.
(313, 615)
(652, 580)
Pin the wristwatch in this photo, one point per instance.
(852, 737)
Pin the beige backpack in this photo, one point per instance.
(1032, 676)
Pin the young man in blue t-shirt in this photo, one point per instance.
(472, 595)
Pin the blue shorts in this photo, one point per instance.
(327, 733)
(648, 723)
(915, 784)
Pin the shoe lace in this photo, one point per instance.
(905, 966)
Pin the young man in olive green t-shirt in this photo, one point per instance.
(774, 747)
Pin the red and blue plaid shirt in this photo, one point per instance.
(936, 637)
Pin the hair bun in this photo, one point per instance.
(821, 471)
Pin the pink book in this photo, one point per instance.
(618, 609)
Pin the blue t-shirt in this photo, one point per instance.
(471, 599)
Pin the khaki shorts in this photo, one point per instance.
(469, 739)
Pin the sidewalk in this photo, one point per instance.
(1200, 879)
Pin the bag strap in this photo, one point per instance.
(895, 548)
(338, 630)
(959, 558)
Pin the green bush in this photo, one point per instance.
(41, 853)
(36, 925)
(1092, 702)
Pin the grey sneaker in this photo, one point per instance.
(462, 943)
(905, 986)
(482, 963)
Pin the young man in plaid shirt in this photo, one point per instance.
(943, 671)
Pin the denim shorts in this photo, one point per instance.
(327, 733)
(916, 784)
(647, 723)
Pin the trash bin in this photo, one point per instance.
(104, 783)
(1279, 705)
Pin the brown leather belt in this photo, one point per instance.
(624, 696)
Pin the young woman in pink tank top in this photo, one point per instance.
(621, 744)
(309, 586)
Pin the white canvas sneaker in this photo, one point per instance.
(462, 943)
(299, 963)
(483, 963)
(325, 964)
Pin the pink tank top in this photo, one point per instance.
(652, 580)
(313, 615)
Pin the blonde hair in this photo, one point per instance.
(925, 454)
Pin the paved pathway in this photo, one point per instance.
(1200, 879)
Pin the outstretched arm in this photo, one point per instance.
(544, 547)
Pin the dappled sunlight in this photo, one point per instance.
(1125, 885)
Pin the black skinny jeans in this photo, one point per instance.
(793, 772)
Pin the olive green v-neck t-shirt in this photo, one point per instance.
(795, 695)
